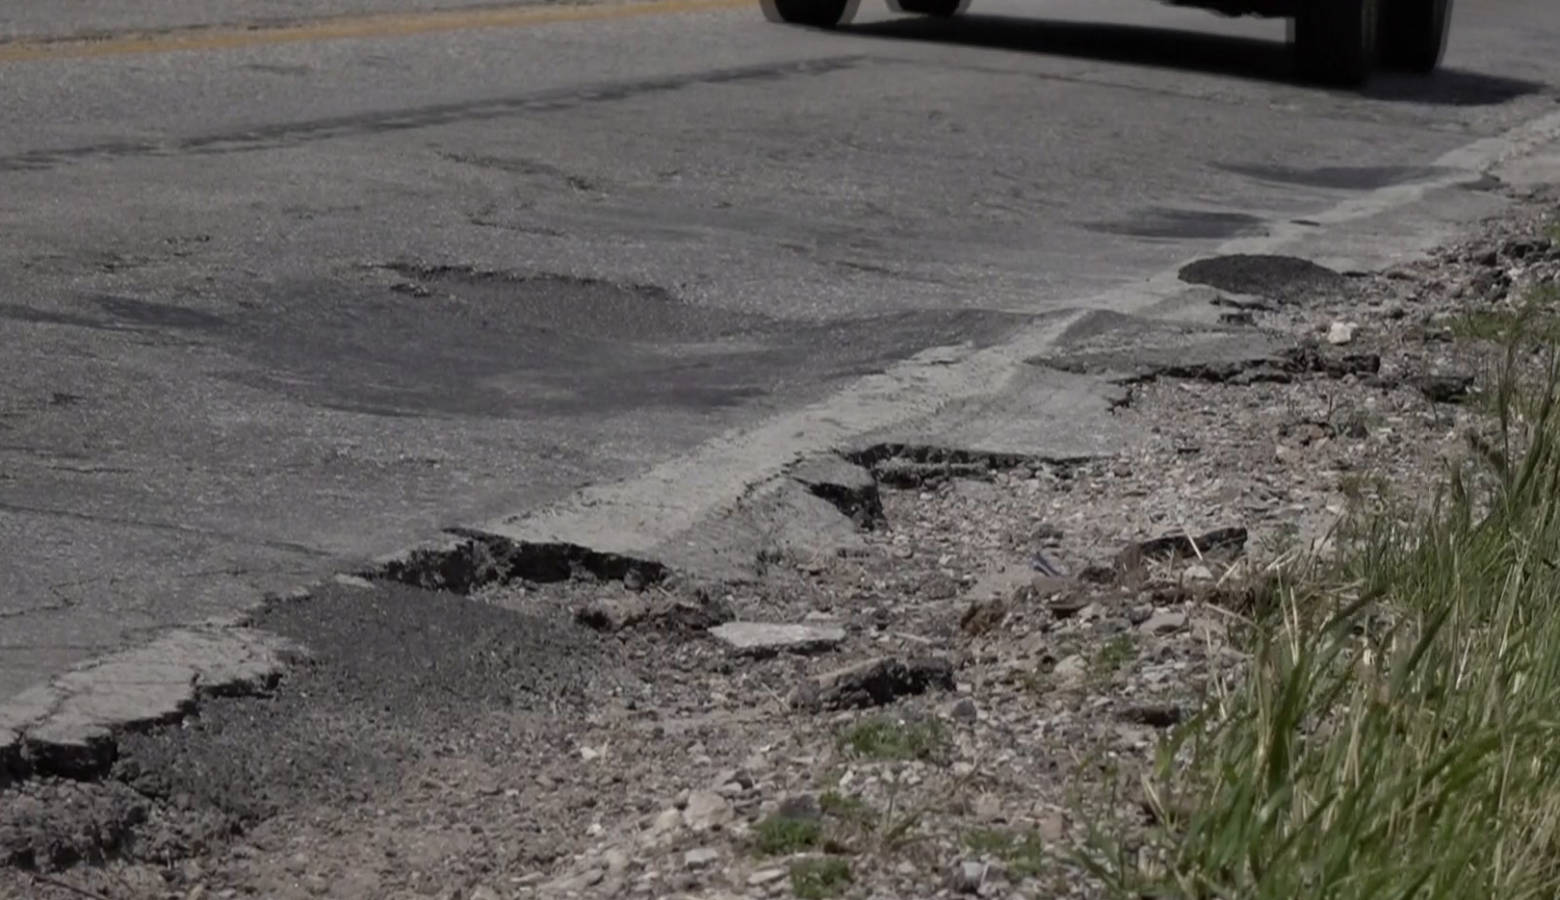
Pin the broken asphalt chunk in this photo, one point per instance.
(876, 682)
(851, 488)
(1444, 388)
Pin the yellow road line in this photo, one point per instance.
(229, 37)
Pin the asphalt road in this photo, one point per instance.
(274, 302)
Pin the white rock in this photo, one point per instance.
(1071, 668)
(707, 810)
(701, 857)
(1198, 573)
(1340, 333)
(1164, 623)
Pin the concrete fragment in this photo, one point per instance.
(767, 638)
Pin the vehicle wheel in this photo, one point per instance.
(1412, 34)
(1335, 40)
(814, 13)
(942, 9)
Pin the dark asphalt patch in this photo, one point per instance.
(1285, 279)
(1349, 178)
(399, 676)
(524, 346)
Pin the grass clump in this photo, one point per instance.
(1115, 655)
(1023, 852)
(890, 738)
(846, 808)
(1397, 733)
(783, 835)
(817, 879)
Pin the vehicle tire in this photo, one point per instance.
(1335, 40)
(1412, 34)
(813, 13)
(942, 9)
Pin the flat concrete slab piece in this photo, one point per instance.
(771, 637)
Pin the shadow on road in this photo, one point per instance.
(1190, 51)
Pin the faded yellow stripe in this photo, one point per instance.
(230, 37)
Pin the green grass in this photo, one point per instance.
(845, 808)
(890, 738)
(783, 835)
(816, 879)
(1022, 851)
(1535, 320)
(1116, 654)
(1398, 733)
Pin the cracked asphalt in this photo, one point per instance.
(269, 310)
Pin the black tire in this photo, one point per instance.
(1335, 41)
(813, 13)
(942, 9)
(1412, 34)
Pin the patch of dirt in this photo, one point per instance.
(1017, 639)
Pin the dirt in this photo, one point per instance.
(1018, 637)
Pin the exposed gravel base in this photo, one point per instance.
(581, 739)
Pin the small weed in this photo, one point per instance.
(783, 835)
(817, 879)
(887, 737)
(1023, 852)
(846, 808)
(1115, 655)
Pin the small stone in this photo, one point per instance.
(965, 710)
(297, 863)
(1340, 333)
(1198, 573)
(767, 638)
(595, 830)
(668, 821)
(616, 860)
(316, 885)
(968, 876)
(982, 616)
(765, 876)
(701, 858)
(483, 892)
(707, 811)
(591, 877)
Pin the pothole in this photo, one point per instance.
(1283, 279)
